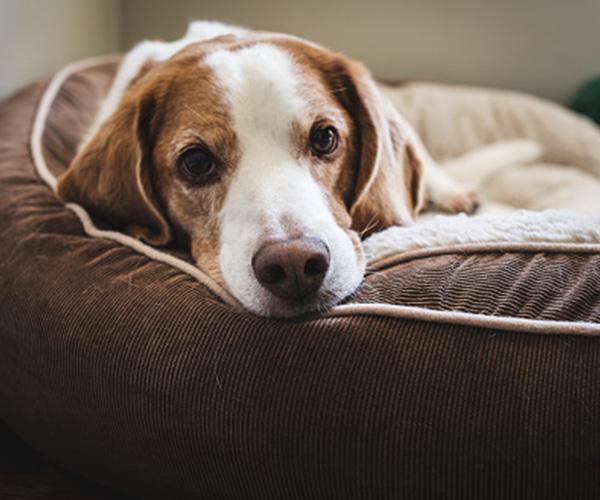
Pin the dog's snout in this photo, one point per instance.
(292, 270)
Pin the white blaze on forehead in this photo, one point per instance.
(261, 85)
(272, 188)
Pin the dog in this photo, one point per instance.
(268, 156)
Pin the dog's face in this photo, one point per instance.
(270, 156)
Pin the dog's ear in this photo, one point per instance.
(389, 178)
(111, 174)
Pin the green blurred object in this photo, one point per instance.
(587, 101)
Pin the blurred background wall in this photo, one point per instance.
(39, 36)
(545, 47)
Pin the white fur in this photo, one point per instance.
(272, 188)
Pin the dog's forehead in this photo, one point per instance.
(261, 83)
(266, 88)
(277, 75)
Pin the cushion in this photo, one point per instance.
(458, 372)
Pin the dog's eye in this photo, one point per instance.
(197, 165)
(323, 140)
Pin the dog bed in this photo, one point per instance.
(466, 366)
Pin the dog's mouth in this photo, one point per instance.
(316, 303)
(293, 277)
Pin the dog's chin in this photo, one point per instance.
(262, 303)
(274, 307)
(278, 308)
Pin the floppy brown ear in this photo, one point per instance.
(388, 187)
(111, 176)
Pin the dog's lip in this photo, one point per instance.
(295, 311)
(314, 306)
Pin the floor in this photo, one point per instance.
(26, 475)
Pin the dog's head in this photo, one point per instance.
(269, 155)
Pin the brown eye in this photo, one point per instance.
(323, 140)
(197, 165)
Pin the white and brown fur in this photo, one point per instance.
(252, 97)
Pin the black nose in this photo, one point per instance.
(292, 270)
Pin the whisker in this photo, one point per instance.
(370, 225)
(193, 110)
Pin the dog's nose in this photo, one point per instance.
(292, 270)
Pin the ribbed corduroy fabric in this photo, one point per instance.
(135, 375)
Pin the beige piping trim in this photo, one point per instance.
(375, 309)
(473, 248)
(468, 319)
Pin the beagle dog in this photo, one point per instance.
(270, 157)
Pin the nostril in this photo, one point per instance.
(315, 266)
(292, 270)
(273, 275)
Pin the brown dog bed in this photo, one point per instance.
(466, 372)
